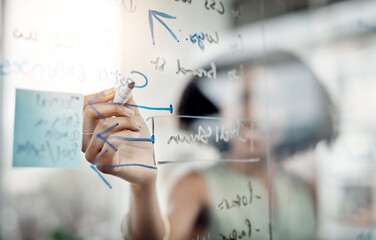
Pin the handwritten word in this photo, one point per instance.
(55, 153)
(238, 47)
(235, 74)
(215, 5)
(238, 201)
(58, 70)
(64, 123)
(55, 130)
(68, 40)
(63, 127)
(159, 65)
(119, 78)
(234, 235)
(31, 36)
(156, 15)
(64, 103)
(199, 38)
(199, 72)
(30, 149)
(62, 71)
(97, 44)
(200, 137)
(221, 134)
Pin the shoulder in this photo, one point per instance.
(293, 189)
(191, 186)
(188, 198)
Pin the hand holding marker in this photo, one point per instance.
(123, 93)
(143, 159)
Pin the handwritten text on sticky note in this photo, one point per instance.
(47, 131)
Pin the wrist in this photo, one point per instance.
(138, 189)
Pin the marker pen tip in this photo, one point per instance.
(131, 85)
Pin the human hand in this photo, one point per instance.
(117, 140)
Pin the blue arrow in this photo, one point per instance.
(91, 104)
(100, 135)
(153, 13)
(100, 175)
(105, 139)
(170, 109)
(128, 165)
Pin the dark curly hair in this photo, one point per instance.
(297, 137)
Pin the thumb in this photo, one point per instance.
(103, 96)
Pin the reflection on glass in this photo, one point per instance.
(274, 108)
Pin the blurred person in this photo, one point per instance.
(299, 114)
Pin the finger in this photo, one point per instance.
(126, 127)
(132, 140)
(106, 157)
(98, 141)
(131, 101)
(97, 146)
(103, 96)
(97, 111)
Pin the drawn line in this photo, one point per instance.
(151, 139)
(164, 24)
(128, 165)
(170, 109)
(223, 160)
(153, 13)
(91, 104)
(99, 135)
(96, 161)
(204, 117)
(143, 75)
(266, 115)
(100, 175)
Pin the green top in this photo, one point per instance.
(239, 207)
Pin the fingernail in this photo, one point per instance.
(128, 111)
(109, 91)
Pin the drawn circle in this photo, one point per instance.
(143, 75)
(127, 81)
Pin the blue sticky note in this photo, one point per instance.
(48, 129)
